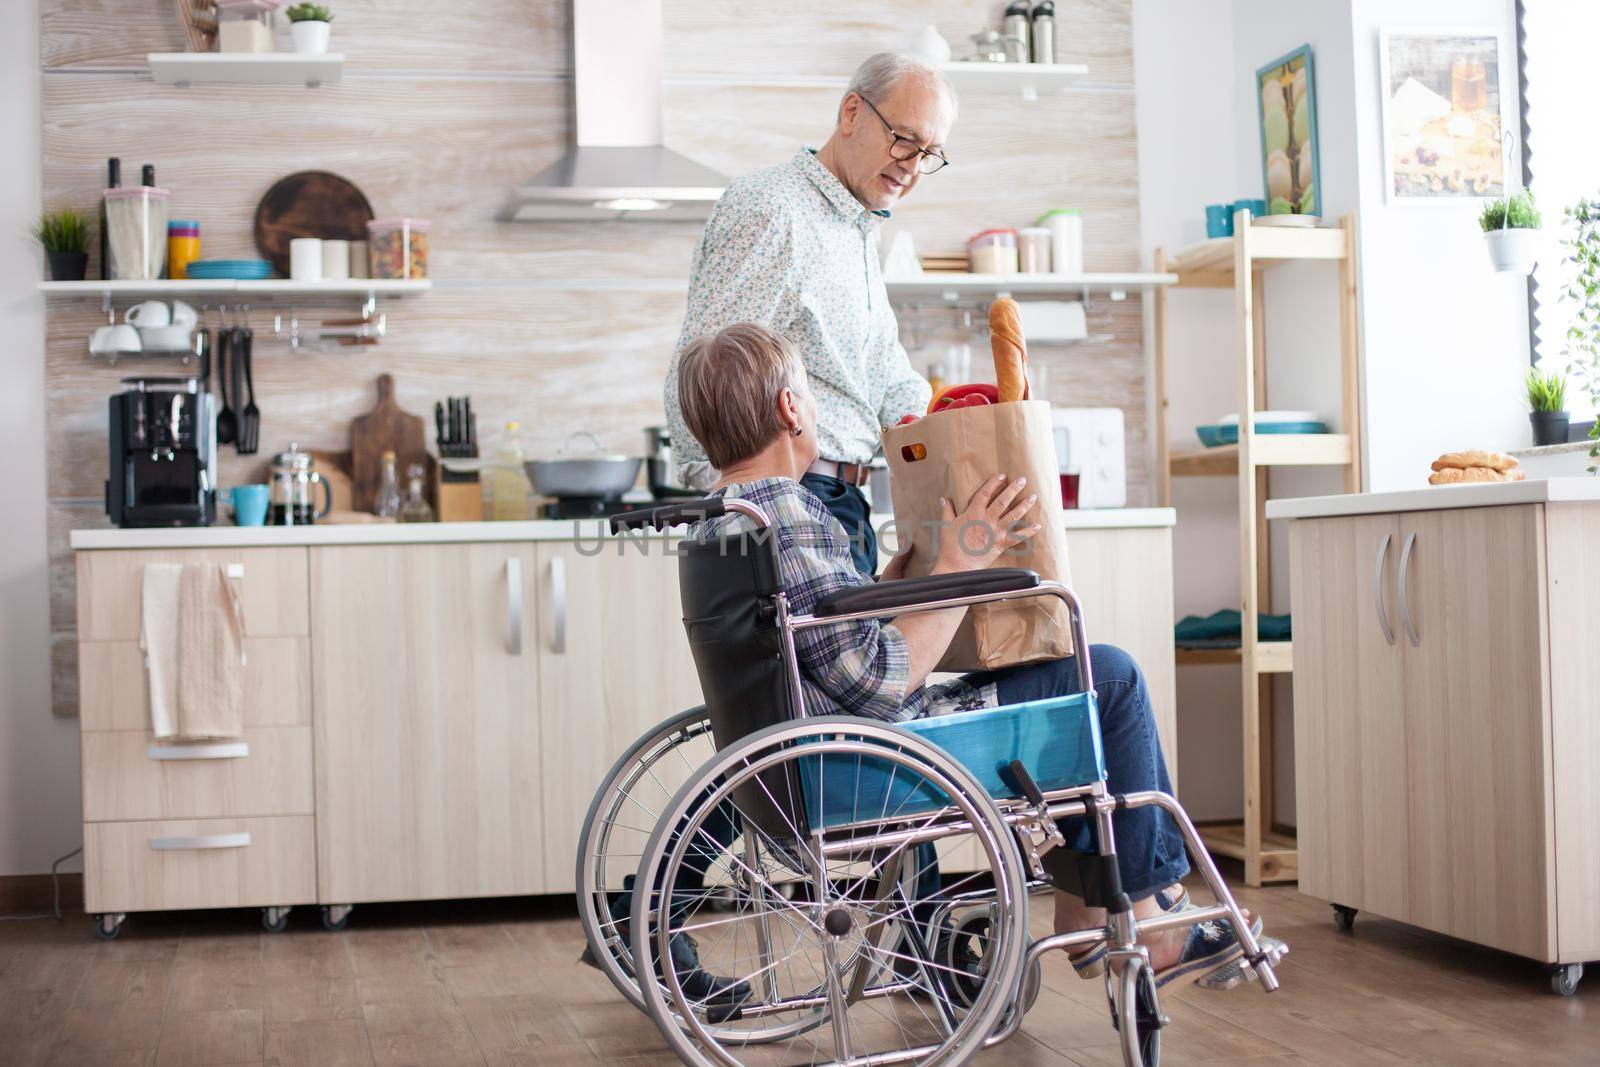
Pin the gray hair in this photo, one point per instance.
(882, 72)
(728, 389)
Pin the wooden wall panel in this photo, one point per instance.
(560, 326)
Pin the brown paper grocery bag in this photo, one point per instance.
(950, 454)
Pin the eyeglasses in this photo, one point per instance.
(905, 149)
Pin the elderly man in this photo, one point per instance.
(794, 248)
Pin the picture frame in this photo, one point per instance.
(1444, 96)
(1286, 110)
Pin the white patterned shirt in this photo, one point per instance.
(790, 248)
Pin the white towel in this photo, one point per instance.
(158, 638)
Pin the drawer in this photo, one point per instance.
(272, 589)
(114, 691)
(267, 772)
(199, 863)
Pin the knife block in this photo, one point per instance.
(458, 496)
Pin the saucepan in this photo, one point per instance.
(590, 473)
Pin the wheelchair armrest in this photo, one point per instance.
(916, 592)
(663, 515)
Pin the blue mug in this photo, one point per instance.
(1257, 208)
(249, 504)
(1219, 220)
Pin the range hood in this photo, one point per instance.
(619, 169)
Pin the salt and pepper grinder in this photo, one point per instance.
(1044, 32)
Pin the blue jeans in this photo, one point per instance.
(849, 506)
(1150, 852)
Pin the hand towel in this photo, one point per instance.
(158, 639)
(210, 681)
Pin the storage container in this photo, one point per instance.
(993, 251)
(136, 231)
(398, 248)
(183, 246)
(246, 26)
(1033, 250)
(1066, 239)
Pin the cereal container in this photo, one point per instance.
(398, 248)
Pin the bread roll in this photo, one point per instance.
(1477, 457)
(1472, 476)
(1010, 351)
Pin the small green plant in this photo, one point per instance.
(1546, 392)
(309, 13)
(63, 231)
(1520, 206)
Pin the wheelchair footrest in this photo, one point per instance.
(1239, 971)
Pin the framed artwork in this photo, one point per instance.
(1442, 118)
(1290, 167)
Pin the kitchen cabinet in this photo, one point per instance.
(426, 690)
(1447, 755)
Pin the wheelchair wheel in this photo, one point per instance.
(1136, 1013)
(620, 820)
(845, 971)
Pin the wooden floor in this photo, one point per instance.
(497, 983)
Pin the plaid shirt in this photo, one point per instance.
(857, 668)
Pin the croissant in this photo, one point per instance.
(1010, 350)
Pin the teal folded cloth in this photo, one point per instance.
(1221, 629)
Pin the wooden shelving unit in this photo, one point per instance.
(1240, 263)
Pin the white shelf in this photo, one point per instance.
(246, 68)
(1030, 80)
(955, 287)
(270, 287)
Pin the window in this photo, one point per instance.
(1561, 159)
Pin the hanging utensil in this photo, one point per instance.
(250, 425)
(227, 421)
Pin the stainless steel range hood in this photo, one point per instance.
(619, 169)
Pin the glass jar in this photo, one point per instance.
(398, 248)
(291, 493)
(993, 252)
(136, 231)
(246, 26)
(1033, 250)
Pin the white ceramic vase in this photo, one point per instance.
(310, 38)
(1514, 250)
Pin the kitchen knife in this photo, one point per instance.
(438, 424)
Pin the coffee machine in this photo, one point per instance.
(163, 454)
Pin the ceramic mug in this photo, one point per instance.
(1257, 208)
(1219, 220)
(249, 504)
(149, 313)
(184, 315)
(114, 338)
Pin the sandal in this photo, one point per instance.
(1092, 964)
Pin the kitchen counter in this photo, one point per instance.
(1429, 498)
(376, 533)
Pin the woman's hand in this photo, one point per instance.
(895, 569)
(987, 527)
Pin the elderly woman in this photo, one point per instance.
(746, 399)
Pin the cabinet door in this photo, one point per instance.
(1350, 751)
(1472, 621)
(613, 662)
(427, 728)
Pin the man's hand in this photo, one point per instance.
(895, 569)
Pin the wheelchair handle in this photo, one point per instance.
(687, 511)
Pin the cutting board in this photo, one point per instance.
(312, 203)
(380, 430)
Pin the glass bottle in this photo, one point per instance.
(386, 505)
(508, 484)
(416, 508)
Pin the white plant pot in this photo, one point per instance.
(310, 38)
(1513, 251)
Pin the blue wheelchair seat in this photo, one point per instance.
(1057, 739)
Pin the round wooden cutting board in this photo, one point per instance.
(311, 203)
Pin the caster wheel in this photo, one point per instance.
(1564, 978)
(1344, 918)
(108, 927)
(274, 920)
(1136, 1014)
(335, 916)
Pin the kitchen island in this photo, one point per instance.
(429, 707)
(1447, 750)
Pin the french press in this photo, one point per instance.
(292, 478)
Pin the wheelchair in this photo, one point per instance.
(861, 886)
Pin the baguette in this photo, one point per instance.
(1010, 350)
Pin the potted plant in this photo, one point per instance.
(65, 237)
(1583, 289)
(1547, 399)
(1511, 228)
(308, 24)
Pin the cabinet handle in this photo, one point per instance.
(514, 605)
(1377, 589)
(230, 750)
(558, 594)
(1405, 601)
(200, 844)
